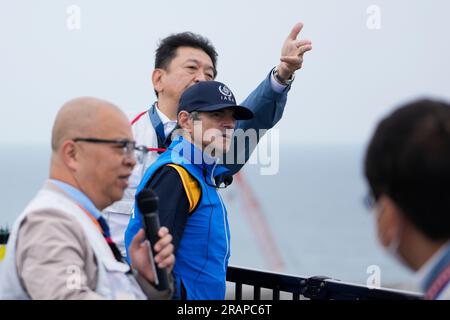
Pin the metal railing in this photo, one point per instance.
(314, 288)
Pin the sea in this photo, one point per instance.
(307, 218)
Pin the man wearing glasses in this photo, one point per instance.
(190, 205)
(60, 247)
(407, 167)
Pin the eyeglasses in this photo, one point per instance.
(129, 147)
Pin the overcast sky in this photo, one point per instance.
(355, 74)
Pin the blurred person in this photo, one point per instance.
(407, 166)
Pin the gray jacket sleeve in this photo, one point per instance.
(54, 259)
(56, 262)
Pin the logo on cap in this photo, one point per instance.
(227, 95)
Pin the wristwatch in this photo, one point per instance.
(284, 82)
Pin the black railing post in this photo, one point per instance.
(276, 294)
(256, 293)
(238, 291)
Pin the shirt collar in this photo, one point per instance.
(78, 197)
(168, 124)
(161, 115)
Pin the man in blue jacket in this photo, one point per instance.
(189, 203)
(182, 60)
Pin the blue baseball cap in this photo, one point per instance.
(211, 96)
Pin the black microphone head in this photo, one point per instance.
(147, 201)
(228, 179)
(224, 178)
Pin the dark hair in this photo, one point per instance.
(168, 46)
(408, 159)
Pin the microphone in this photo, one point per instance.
(147, 202)
(224, 178)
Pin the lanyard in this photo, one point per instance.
(102, 226)
(158, 125)
(439, 284)
(156, 121)
(439, 276)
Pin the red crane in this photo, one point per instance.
(254, 213)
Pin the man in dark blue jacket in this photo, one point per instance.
(182, 60)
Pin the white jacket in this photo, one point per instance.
(113, 282)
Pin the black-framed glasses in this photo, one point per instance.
(129, 146)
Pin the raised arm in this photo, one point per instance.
(268, 100)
